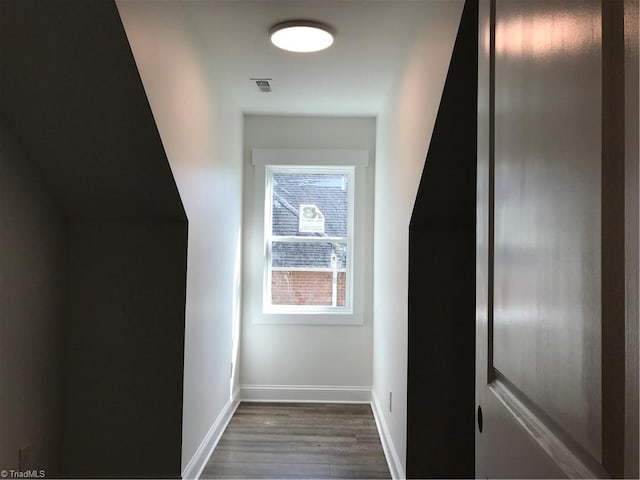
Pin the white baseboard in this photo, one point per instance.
(194, 468)
(395, 465)
(305, 393)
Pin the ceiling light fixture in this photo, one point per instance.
(302, 36)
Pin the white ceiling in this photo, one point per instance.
(228, 40)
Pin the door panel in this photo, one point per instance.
(547, 209)
(547, 203)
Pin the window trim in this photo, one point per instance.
(325, 158)
(269, 239)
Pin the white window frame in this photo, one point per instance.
(269, 238)
(258, 281)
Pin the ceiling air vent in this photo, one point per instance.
(263, 84)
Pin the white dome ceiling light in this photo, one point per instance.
(301, 36)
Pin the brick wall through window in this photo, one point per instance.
(306, 288)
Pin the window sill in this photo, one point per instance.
(308, 319)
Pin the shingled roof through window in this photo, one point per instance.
(330, 193)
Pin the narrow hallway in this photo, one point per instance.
(299, 440)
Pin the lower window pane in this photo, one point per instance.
(301, 287)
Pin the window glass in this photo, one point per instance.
(308, 242)
(325, 255)
(310, 204)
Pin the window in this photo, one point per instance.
(308, 228)
(308, 239)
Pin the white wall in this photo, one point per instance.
(31, 283)
(280, 361)
(203, 139)
(403, 133)
(201, 134)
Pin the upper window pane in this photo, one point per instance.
(310, 204)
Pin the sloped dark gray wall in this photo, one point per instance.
(441, 358)
(72, 99)
(71, 92)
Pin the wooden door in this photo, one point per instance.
(554, 383)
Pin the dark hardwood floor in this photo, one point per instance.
(299, 440)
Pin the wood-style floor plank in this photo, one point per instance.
(299, 440)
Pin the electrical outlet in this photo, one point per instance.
(390, 401)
